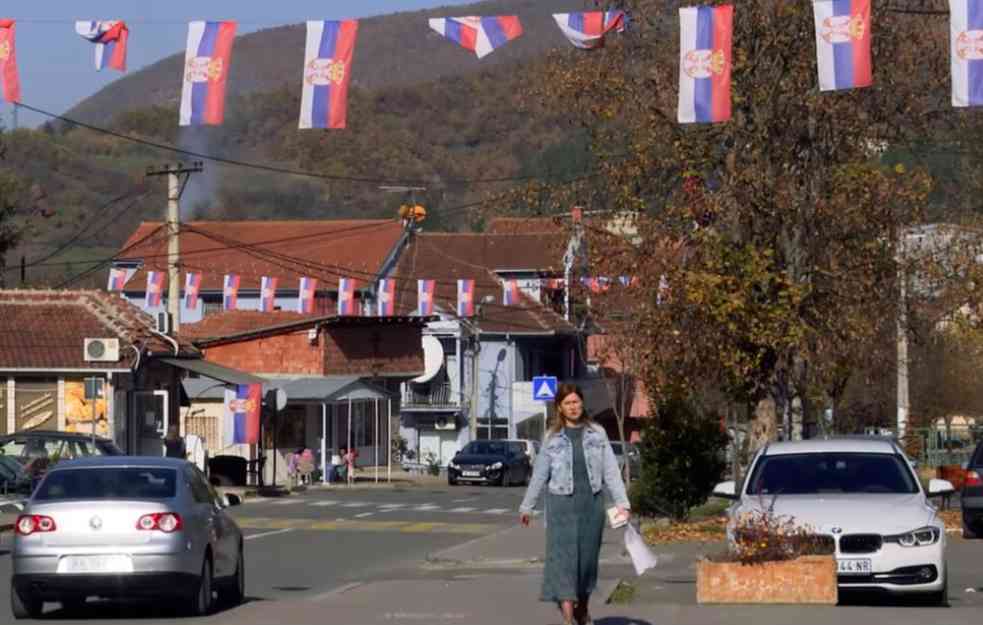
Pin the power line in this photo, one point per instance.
(96, 268)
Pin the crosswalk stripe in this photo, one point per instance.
(355, 504)
(327, 502)
(462, 509)
(363, 515)
(393, 506)
(496, 511)
(287, 502)
(426, 507)
(408, 527)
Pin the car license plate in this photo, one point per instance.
(96, 564)
(853, 566)
(471, 473)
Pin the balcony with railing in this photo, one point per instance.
(429, 396)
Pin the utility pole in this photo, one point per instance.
(903, 401)
(177, 179)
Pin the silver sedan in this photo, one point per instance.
(124, 526)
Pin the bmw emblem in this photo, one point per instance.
(95, 523)
(837, 530)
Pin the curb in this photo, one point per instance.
(610, 593)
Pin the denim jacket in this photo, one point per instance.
(555, 463)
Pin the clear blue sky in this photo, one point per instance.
(56, 69)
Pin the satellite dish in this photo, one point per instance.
(433, 358)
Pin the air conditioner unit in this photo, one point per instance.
(162, 322)
(445, 424)
(101, 350)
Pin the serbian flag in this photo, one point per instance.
(155, 288)
(346, 297)
(110, 37)
(510, 293)
(8, 60)
(481, 35)
(327, 71)
(843, 43)
(424, 297)
(192, 288)
(206, 70)
(242, 407)
(628, 280)
(387, 297)
(704, 63)
(966, 28)
(267, 294)
(587, 30)
(305, 303)
(230, 292)
(118, 277)
(465, 298)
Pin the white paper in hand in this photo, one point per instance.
(641, 556)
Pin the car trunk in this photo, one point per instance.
(98, 523)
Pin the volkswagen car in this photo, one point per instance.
(123, 526)
(864, 494)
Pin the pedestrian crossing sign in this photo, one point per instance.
(544, 388)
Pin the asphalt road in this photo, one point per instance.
(315, 542)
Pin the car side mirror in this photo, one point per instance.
(232, 499)
(940, 488)
(725, 490)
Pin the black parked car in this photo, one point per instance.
(490, 462)
(36, 449)
(971, 497)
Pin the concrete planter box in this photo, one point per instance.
(810, 579)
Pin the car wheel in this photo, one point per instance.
(24, 605)
(234, 590)
(451, 481)
(200, 603)
(968, 533)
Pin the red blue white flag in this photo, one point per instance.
(327, 72)
(387, 297)
(8, 60)
(206, 70)
(587, 30)
(465, 298)
(242, 409)
(706, 35)
(110, 37)
(481, 35)
(305, 304)
(119, 276)
(843, 44)
(192, 289)
(346, 297)
(155, 289)
(267, 294)
(424, 297)
(966, 35)
(510, 292)
(628, 280)
(230, 292)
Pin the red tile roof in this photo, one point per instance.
(447, 257)
(526, 225)
(231, 322)
(46, 329)
(355, 248)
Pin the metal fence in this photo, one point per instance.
(936, 447)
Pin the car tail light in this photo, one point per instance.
(28, 524)
(973, 479)
(166, 522)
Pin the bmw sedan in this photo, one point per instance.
(864, 494)
(123, 526)
(490, 462)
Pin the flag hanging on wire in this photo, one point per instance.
(346, 297)
(267, 294)
(587, 30)
(192, 289)
(327, 72)
(387, 297)
(155, 289)
(966, 35)
(206, 70)
(481, 35)
(465, 298)
(243, 403)
(230, 292)
(706, 34)
(510, 292)
(843, 44)
(305, 303)
(119, 276)
(424, 297)
(8, 60)
(109, 37)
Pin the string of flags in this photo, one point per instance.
(109, 37)
(385, 305)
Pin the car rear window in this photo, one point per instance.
(108, 483)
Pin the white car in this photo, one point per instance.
(863, 493)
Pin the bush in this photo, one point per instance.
(433, 464)
(682, 457)
(764, 537)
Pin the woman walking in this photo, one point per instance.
(576, 461)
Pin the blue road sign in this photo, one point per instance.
(544, 388)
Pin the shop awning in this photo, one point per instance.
(327, 388)
(213, 370)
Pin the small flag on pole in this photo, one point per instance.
(155, 289)
(465, 298)
(119, 276)
(267, 294)
(387, 297)
(705, 38)
(192, 289)
(346, 297)
(843, 43)
(110, 37)
(510, 293)
(424, 297)
(327, 72)
(305, 304)
(206, 70)
(8, 60)
(230, 292)
(242, 408)
(481, 35)
(587, 30)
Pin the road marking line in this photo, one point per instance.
(415, 528)
(287, 502)
(462, 509)
(363, 515)
(329, 502)
(393, 506)
(253, 536)
(495, 511)
(427, 507)
(355, 504)
(465, 500)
